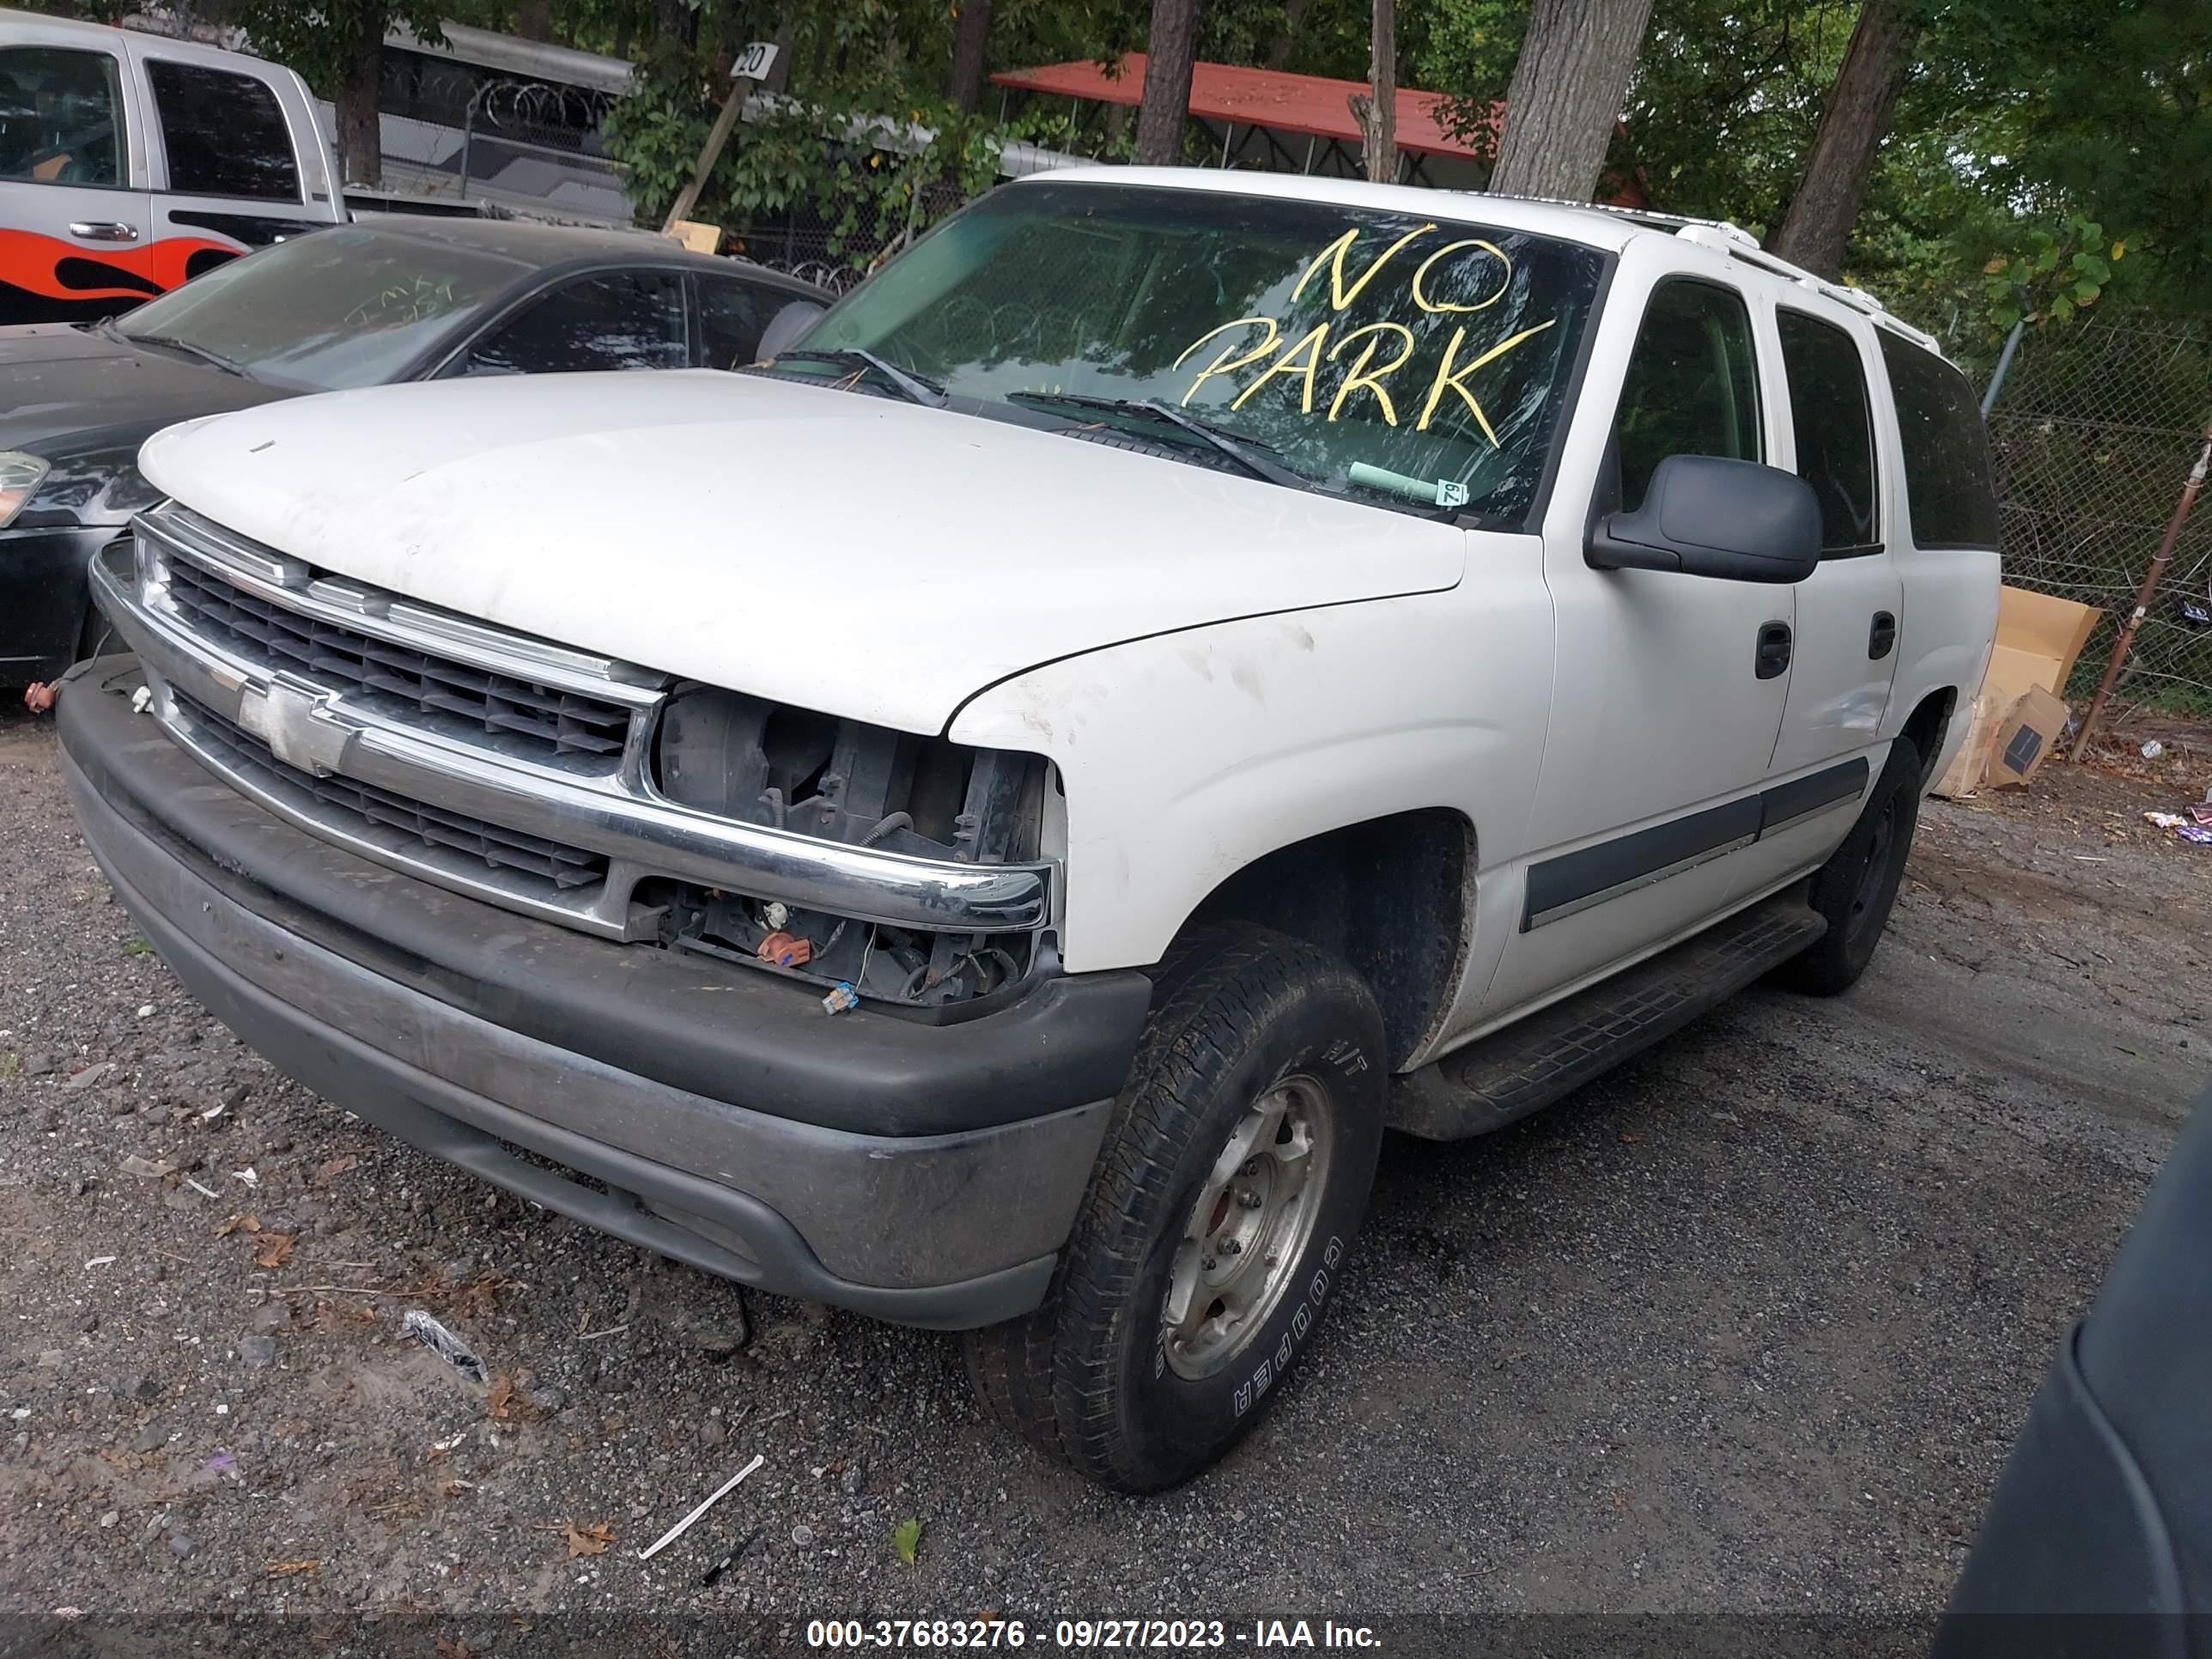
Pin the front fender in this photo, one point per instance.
(1187, 757)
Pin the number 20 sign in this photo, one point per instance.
(754, 61)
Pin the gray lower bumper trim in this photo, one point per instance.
(948, 1231)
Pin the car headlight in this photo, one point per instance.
(20, 478)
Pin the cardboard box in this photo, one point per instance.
(2025, 738)
(2037, 626)
(2038, 640)
(1964, 775)
(699, 238)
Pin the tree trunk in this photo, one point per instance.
(1376, 109)
(1817, 227)
(1567, 91)
(1294, 15)
(533, 19)
(967, 55)
(677, 21)
(361, 133)
(1170, 50)
(787, 37)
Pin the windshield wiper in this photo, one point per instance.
(190, 350)
(912, 387)
(1211, 436)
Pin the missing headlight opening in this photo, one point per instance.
(814, 775)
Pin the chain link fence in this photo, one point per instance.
(806, 242)
(2095, 428)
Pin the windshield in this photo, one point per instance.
(346, 307)
(1333, 337)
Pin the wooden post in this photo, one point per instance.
(752, 67)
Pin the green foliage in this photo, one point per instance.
(656, 131)
(2019, 119)
(2059, 275)
(323, 41)
(865, 140)
(1465, 49)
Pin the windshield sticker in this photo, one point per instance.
(1254, 340)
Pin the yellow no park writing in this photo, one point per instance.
(1301, 361)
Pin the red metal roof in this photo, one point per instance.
(1256, 97)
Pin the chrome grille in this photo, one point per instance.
(474, 756)
(557, 868)
(445, 694)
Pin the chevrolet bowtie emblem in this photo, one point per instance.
(285, 718)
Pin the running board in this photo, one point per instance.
(1554, 1052)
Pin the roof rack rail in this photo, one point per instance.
(1737, 243)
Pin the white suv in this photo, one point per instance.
(986, 819)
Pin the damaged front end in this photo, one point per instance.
(794, 770)
(869, 862)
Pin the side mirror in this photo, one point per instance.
(784, 328)
(1706, 516)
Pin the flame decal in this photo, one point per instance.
(58, 270)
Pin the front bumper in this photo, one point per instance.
(919, 1172)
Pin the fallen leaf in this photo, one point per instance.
(1631, 1136)
(905, 1539)
(455, 1488)
(452, 1647)
(587, 1540)
(503, 1399)
(276, 1250)
(279, 1569)
(239, 1223)
(326, 1173)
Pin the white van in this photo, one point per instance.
(129, 162)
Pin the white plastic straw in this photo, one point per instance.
(684, 1525)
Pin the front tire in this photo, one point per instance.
(1224, 1205)
(1856, 888)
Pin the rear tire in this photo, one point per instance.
(1856, 888)
(1224, 1207)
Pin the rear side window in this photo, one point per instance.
(61, 116)
(1947, 484)
(224, 134)
(1693, 385)
(1835, 428)
(731, 318)
(630, 320)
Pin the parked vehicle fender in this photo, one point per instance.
(1187, 757)
(1947, 626)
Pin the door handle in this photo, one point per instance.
(1773, 660)
(103, 230)
(1881, 638)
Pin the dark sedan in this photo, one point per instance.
(364, 304)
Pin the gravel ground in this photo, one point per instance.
(1746, 1326)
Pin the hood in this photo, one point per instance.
(831, 550)
(72, 396)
